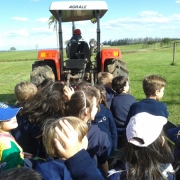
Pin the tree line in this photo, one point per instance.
(147, 41)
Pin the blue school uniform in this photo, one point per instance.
(26, 133)
(120, 107)
(98, 143)
(53, 170)
(106, 123)
(150, 106)
(109, 96)
(80, 166)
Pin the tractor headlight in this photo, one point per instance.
(92, 43)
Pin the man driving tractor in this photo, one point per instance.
(75, 38)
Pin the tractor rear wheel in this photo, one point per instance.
(116, 67)
(41, 72)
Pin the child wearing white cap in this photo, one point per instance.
(11, 154)
(147, 154)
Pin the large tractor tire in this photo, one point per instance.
(40, 73)
(116, 67)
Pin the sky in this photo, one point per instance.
(24, 23)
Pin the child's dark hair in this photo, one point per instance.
(118, 83)
(146, 161)
(176, 164)
(20, 174)
(82, 86)
(79, 101)
(102, 93)
(47, 102)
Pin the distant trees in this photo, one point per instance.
(166, 41)
(147, 41)
(12, 49)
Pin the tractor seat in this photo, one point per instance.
(79, 50)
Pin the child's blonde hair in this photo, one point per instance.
(152, 83)
(24, 90)
(104, 78)
(49, 132)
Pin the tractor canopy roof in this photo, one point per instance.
(78, 10)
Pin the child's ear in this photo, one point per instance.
(86, 111)
(156, 92)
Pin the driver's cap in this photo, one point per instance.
(77, 31)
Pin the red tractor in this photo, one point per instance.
(79, 64)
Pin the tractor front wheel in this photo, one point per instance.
(40, 73)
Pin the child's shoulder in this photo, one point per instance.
(50, 169)
(149, 101)
(5, 141)
(96, 133)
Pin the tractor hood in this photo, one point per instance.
(78, 10)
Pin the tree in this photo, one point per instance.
(12, 49)
(166, 41)
(53, 20)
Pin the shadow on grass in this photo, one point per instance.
(7, 98)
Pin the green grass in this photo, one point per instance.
(12, 73)
(139, 63)
(18, 55)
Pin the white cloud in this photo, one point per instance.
(20, 18)
(15, 33)
(42, 20)
(178, 2)
(41, 29)
(145, 24)
(149, 14)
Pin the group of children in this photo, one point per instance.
(69, 133)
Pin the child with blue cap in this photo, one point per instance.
(11, 154)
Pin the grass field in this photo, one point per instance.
(16, 67)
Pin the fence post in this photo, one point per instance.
(174, 52)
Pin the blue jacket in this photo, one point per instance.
(120, 107)
(78, 167)
(150, 106)
(82, 167)
(26, 133)
(172, 134)
(109, 96)
(53, 170)
(98, 143)
(106, 123)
